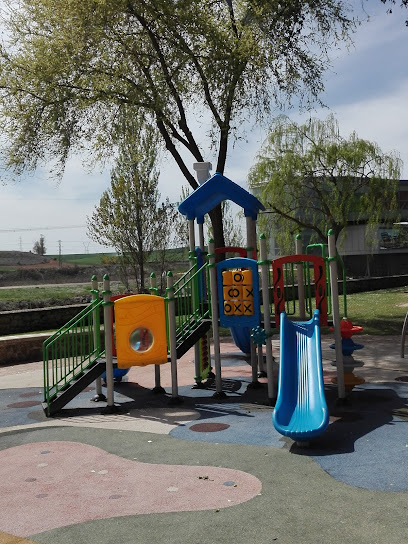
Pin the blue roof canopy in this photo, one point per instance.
(214, 191)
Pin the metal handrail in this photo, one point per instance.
(191, 306)
(71, 350)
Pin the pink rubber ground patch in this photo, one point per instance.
(52, 484)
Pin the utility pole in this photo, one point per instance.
(59, 254)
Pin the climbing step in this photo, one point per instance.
(74, 387)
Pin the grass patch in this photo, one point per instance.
(64, 293)
(378, 312)
(84, 259)
(37, 293)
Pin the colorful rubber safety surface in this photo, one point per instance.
(205, 470)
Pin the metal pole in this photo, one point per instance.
(251, 244)
(264, 264)
(250, 241)
(191, 237)
(300, 279)
(157, 381)
(175, 399)
(107, 318)
(214, 317)
(201, 236)
(96, 338)
(336, 314)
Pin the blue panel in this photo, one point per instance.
(301, 410)
(214, 191)
(242, 338)
(239, 320)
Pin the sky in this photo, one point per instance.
(366, 89)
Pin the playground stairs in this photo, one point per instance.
(58, 399)
(185, 343)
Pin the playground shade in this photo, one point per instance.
(301, 411)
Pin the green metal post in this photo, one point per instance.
(107, 315)
(96, 338)
(157, 381)
(336, 315)
(175, 399)
(214, 317)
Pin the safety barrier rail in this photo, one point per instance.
(192, 305)
(71, 350)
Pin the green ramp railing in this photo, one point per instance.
(192, 306)
(71, 350)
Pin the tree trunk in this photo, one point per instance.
(216, 220)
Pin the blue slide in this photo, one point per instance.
(301, 411)
(242, 338)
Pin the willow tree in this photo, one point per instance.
(310, 177)
(67, 68)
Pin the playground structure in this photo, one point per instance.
(252, 297)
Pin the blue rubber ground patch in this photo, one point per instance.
(366, 444)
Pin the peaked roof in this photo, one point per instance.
(214, 191)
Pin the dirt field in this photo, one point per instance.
(23, 259)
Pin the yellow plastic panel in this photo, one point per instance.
(140, 331)
(247, 292)
(237, 276)
(227, 277)
(247, 277)
(238, 307)
(232, 291)
(228, 307)
(247, 307)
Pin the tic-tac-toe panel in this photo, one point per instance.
(238, 293)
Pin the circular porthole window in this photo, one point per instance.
(141, 339)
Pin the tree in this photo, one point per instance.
(39, 246)
(403, 3)
(67, 69)
(232, 226)
(127, 216)
(180, 226)
(166, 220)
(310, 177)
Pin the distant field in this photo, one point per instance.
(95, 259)
(378, 312)
(31, 294)
(84, 259)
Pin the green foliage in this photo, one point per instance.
(67, 69)
(402, 3)
(127, 217)
(310, 177)
(232, 226)
(181, 228)
(39, 246)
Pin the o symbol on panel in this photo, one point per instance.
(228, 309)
(233, 292)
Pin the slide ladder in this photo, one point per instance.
(301, 411)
